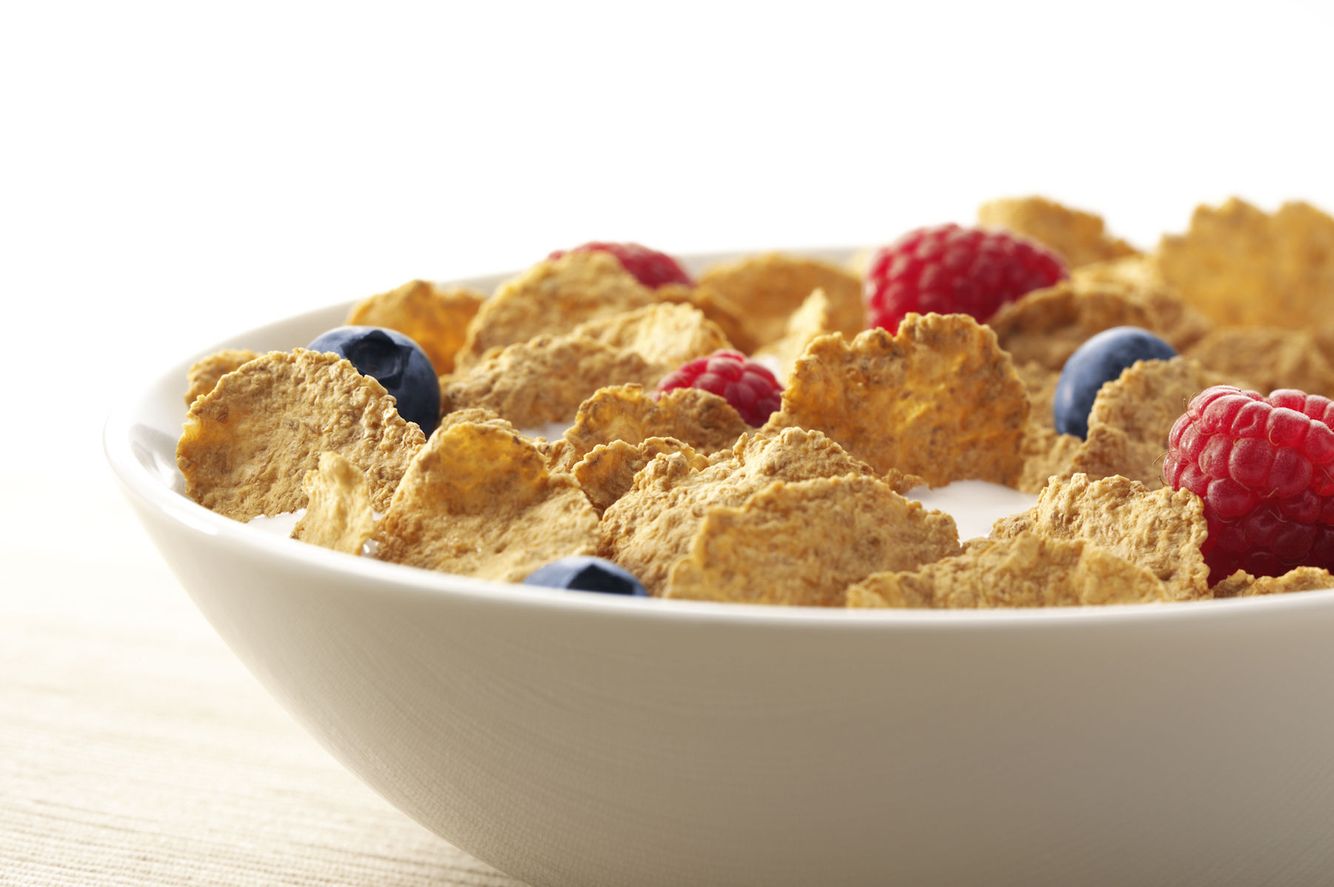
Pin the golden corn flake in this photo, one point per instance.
(1241, 266)
(1137, 277)
(541, 380)
(767, 289)
(551, 297)
(1266, 358)
(808, 323)
(939, 399)
(1027, 570)
(649, 528)
(1078, 237)
(802, 544)
(1047, 325)
(1046, 455)
(1161, 530)
(248, 443)
(207, 371)
(666, 335)
(435, 318)
(1132, 416)
(608, 470)
(716, 307)
(338, 511)
(1243, 584)
(1040, 386)
(478, 500)
(703, 420)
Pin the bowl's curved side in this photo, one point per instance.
(593, 747)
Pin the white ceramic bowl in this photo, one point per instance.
(582, 739)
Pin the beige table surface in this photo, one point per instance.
(135, 749)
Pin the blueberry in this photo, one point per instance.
(587, 574)
(1098, 361)
(396, 362)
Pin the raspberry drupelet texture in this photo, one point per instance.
(749, 387)
(1264, 467)
(650, 267)
(949, 269)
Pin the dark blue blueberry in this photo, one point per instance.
(587, 574)
(1100, 360)
(396, 362)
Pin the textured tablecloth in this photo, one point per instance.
(135, 749)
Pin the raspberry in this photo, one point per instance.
(650, 267)
(954, 270)
(749, 387)
(1264, 467)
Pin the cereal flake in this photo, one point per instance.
(1047, 325)
(247, 444)
(666, 335)
(541, 380)
(338, 511)
(767, 289)
(1241, 266)
(628, 413)
(1266, 358)
(608, 470)
(478, 500)
(650, 527)
(206, 372)
(434, 317)
(1026, 570)
(1243, 584)
(551, 297)
(1078, 237)
(939, 399)
(1161, 530)
(802, 544)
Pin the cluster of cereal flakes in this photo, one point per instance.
(810, 508)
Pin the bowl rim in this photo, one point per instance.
(141, 485)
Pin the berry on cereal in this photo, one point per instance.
(748, 386)
(1264, 468)
(953, 270)
(396, 362)
(939, 399)
(583, 573)
(650, 267)
(1098, 361)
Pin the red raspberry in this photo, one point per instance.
(745, 384)
(650, 267)
(1265, 469)
(954, 270)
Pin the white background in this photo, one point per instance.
(171, 174)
